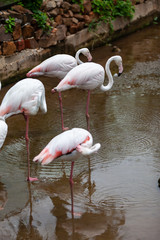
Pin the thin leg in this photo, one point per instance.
(61, 109)
(27, 145)
(87, 107)
(71, 185)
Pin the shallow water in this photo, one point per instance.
(115, 191)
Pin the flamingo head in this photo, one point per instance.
(87, 54)
(118, 61)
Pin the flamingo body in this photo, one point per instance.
(58, 65)
(26, 96)
(71, 141)
(3, 131)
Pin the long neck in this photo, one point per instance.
(77, 56)
(109, 75)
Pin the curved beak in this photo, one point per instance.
(120, 70)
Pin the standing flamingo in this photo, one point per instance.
(58, 66)
(68, 144)
(25, 97)
(89, 76)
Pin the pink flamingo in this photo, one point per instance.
(58, 66)
(68, 144)
(89, 76)
(3, 131)
(25, 97)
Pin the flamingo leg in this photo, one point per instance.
(87, 114)
(71, 185)
(29, 178)
(61, 109)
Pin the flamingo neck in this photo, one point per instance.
(109, 75)
(77, 56)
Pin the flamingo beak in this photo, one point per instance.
(54, 90)
(89, 58)
(120, 70)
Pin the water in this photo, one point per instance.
(116, 195)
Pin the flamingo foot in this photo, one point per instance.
(65, 128)
(30, 179)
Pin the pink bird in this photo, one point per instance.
(89, 76)
(58, 66)
(25, 97)
(3, 131)
(68, 144)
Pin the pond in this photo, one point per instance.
(115, 192)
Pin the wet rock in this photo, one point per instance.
(4, 36)
(8, 48)
(31, 43)
(75, 8)
(116, 49)
(20, 9)
(58, 20)
(27, 31)
(61, 32)
(17, 33)
(20, 45)
(47, 41)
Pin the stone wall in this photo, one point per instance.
(29, 45)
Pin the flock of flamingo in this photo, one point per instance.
(28, 96)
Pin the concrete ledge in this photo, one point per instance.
(16, 66)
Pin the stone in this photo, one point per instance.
(75, 8)
(74, 20)
(8, 48)
(31, 43)
(15, 14)
(61, 32)
(58, 20)
(4, 36)
(87, 6)
(20, 45)
(27, 31)
(17, 33)
(79, 17)
(20, 9)
(59, 2)
(70, 13)
(38, 34)
(67, 21)
(73, 28)
(54, 12)
(48, 41)
(50, 5)
(66, 6)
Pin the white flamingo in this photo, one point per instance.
(25, 97)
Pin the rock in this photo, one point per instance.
(20, 45)
(8, 48)
(61, 32)
(79, 17)
(67, 21)
(66, 6)
(54, 12)
(15, 14)
(27, 31)
(20, 9)
(17, 33)
(87, 6)
(50, 5)
(31, 43)
(59, 2)
(38, 34)
(58, 20)
(75, 8)
(47, 41)
(75, 20)
(70, 13)
(116, 49)
(4, 36)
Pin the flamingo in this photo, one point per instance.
(3, 131)
(68, 144)
(58, 66)
(25, 97)
(89, 76)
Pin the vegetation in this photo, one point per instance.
(9, 26)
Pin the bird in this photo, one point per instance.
(68, 144)
(58, 66)
(25, 97)
(89, 76)
(3, 131)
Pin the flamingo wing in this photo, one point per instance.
(64, 143)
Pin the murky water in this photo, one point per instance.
(115, 191)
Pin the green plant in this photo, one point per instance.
(10, 23)
(41, 19)
(32, 5)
